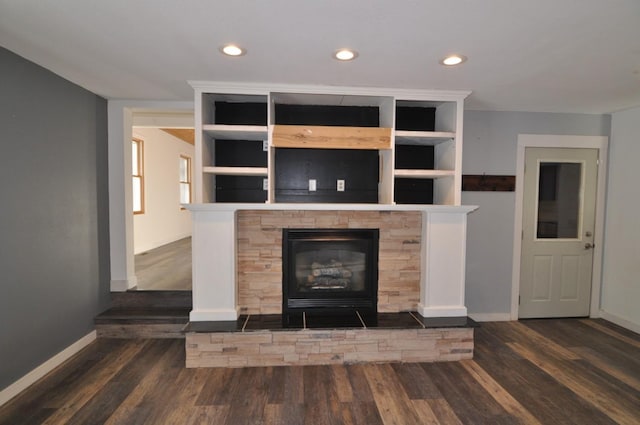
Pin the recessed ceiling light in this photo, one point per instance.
(232, 50)
(452, 60)
(345, 54)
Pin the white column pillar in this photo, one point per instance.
(443, 264)
(123, 274)
(214, 265)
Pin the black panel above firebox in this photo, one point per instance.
(359, 169)
(330, 271)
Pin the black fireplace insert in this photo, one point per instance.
(330, 270)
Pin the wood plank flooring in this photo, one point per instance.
(165, 268)
(560, 371)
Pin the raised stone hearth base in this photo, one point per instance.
(298, 347)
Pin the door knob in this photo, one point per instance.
(589, 245)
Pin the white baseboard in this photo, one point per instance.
(213, 314)
(442, 311)
(490, 317)
(124, 285)
(620, 321)
(119, 285)
(30, 378)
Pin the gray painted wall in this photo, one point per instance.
(621, 265)
(54, 247)
(490, 145)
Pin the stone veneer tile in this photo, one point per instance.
(309, 347)
(259, 256)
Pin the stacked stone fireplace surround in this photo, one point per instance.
(259, 286)
(259, 266)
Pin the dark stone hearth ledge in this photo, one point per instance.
(278, 322)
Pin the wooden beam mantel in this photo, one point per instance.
(327, 137)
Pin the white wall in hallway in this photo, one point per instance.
(163, 221)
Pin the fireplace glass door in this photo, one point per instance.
(330, 269)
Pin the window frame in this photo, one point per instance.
(140, 167)
(188, 182)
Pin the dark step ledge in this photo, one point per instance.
(143, 316)
(134, 299)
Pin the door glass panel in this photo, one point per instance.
(559, 192)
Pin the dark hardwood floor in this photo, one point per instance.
(569, 371)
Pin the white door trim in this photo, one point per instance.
(120, 122)
(553, 141)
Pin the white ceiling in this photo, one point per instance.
(536, 55)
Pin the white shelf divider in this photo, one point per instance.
(423, 138)
(423, 174)
(236, 171)
(236, 132)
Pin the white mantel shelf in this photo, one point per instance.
(443, 250)
(464, 209)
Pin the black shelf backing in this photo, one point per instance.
(240, 189)
(239, 153)
(413, 191)
(414, 157)
(415, 118)
(295, 167)
(240, 113)
(328, 115)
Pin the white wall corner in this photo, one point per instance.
(124, 285)
(627, 324)
(30, 378)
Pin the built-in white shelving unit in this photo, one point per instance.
(225, 128)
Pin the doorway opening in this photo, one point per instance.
(559, 223)
(162, 176)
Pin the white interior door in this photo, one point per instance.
(558, 232)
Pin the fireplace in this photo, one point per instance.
(329, 271)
